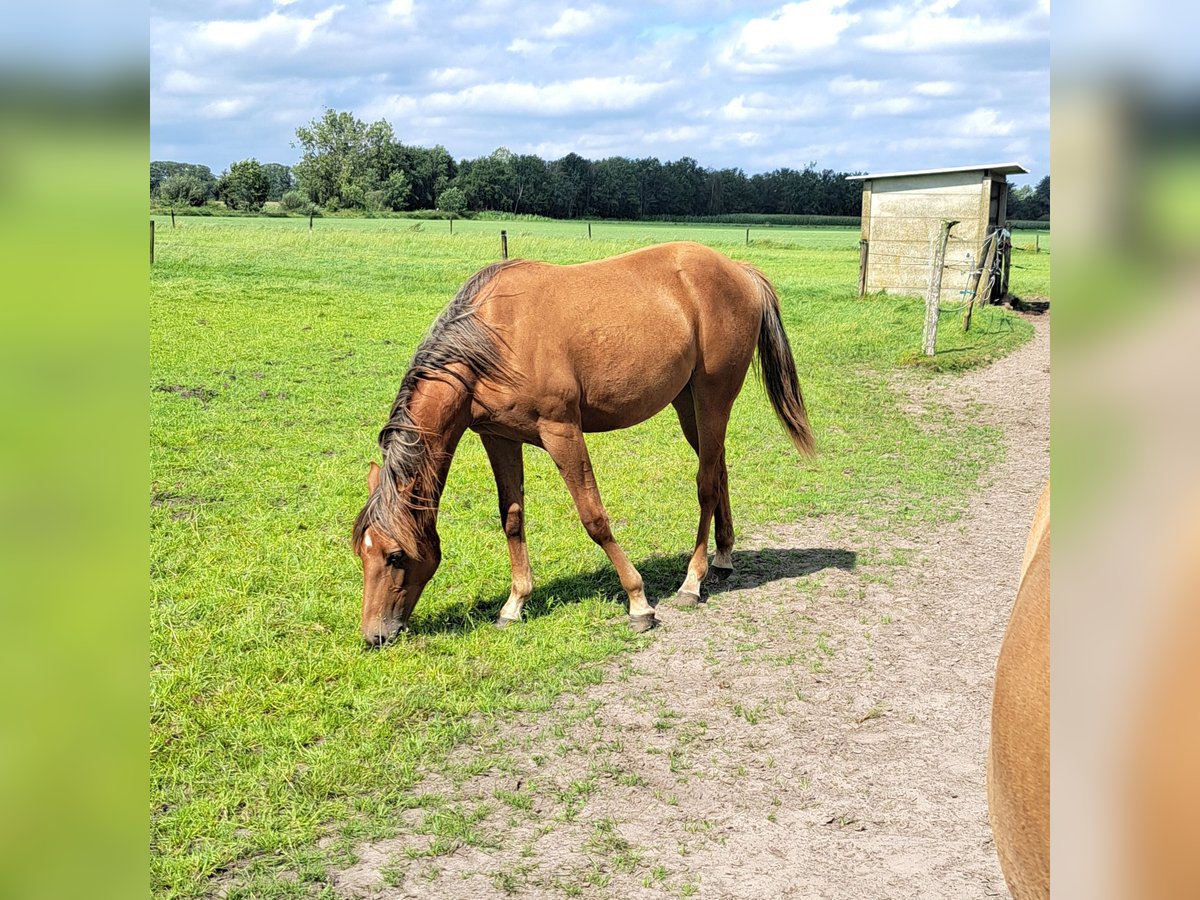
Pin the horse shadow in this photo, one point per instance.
(661, 576)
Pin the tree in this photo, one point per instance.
(244, 186)
(395, 191)
(335, 164)
(295, 201)
(162, 169)
(452, 201)
(183, 190)
(488, 183)
(614, 188)
(1025, 202)
(571, 185)
(279, 179)
(1041, 197)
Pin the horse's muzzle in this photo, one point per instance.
(377, 638)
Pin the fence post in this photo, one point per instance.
(863, 251)
(589, 231)
(452, 224)
(984, 277)
(151, 242)
(503, 244)
(935, 286)
(747, 237)
(172, 217)
(310, 218)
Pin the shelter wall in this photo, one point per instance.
(901, 222)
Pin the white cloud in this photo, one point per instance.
(556, 98)
(936, 88)
(240, 34)
(177, 81)
(765, 107)
(984, 122)
(789, 36)
(923, 27)
(845, 84)
(573, 21)
(400, 9)
(893, 106)
(224, 109)
(453, 75)
(681, 134)
(736, 110)
(526, 47)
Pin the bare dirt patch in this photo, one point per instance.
(817, 729)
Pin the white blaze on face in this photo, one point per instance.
(367, 541)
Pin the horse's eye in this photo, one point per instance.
(395, 560)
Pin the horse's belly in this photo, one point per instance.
(623, 399)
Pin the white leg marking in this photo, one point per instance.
(512, 609)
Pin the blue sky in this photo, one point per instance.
(852, 86)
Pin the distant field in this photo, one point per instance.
(275, 355)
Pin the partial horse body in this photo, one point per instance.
(1019, 755)
(533, 353)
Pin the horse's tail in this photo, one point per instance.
(778, 369)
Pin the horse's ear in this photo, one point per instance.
(373, 478)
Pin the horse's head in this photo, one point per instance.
(393, 577)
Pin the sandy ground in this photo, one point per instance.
(817, 729)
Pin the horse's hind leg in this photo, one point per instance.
(508, 466)
(564, 443)
(722, 566)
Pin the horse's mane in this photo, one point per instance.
(458, 337)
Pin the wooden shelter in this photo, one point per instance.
(902, 214)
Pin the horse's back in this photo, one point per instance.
(1019, 755)
(622, 336)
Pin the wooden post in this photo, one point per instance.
(1006, 249)
(1037, 243)
(172, 217)
(935, 286)
(589, 231)
(747, 237)
(151, 242)
(503, 244)
(988, 255)
(452, 224)
(862, 266)
(310, 218)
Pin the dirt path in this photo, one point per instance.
(818, 730)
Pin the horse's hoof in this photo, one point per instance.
(720, 573)
(503, 622)
(687, 598)
(643, 623)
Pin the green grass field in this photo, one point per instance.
(276, 353)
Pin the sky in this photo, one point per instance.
(850, 86)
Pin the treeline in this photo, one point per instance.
(347, 164)
(244, 185)
(1030, 203)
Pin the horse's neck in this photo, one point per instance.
(442, 411)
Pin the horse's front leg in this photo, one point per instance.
(564, 443)
(508, 466)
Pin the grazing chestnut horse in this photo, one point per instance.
(533, 353)
(1019, 756)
